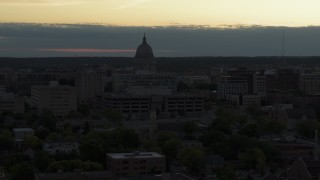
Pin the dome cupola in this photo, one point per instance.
(144, 51)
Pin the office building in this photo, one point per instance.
(59, 99)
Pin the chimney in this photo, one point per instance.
(316, 146)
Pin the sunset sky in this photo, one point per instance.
(163, 12)
(31, 28)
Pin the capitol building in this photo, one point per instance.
(143, 90)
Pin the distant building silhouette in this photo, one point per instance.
(137, 92)
(59, 99)
(144, 59)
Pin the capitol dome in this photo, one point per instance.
(144, 51)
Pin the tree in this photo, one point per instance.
(114, 116)
(84, 109)
(69, 166)
(224, 120)
(73, 114)
(164, 136)
(189, 128)
(226, 173)
(151, 145)
(124, 139)
(272, 126)
(53, 137)
(253, 110)
(42, 133)
(48, 119)
(191, 158)
(250, 130)
(242, 119)
(271, 152)
(307, 128)
(30, 116)
(13, 159)
(213, 140)
(95, 144)
(6, 140)
(92, 149)
(253, 158)
(32, 142)
(234, 144)
(42, 160)
(86, 128)
(22, 170)
(172, 147)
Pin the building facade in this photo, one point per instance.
(10, 102)
(91, 82)
(59, 99)
(310, 84)
(135, 104)
(137, 163)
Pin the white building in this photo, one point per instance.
(21, 133)
(61, 147)
(230, 86)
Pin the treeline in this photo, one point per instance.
(163, 63)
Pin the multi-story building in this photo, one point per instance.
(283, 79)
(145, 89)
(10, 102)
(242, 87)
(60, 99)
(127, 104)
(244, 100)
(310, 83)
(260, 87)
(190, 80)
(92, 82)
(134, 104)
(137, 163)
(184, 103)
(246, 75)
(229, 85)
(25, 79)
(145, 84)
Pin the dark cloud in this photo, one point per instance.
(176, 40)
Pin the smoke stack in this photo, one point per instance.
(316, 147)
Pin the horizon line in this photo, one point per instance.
(172, 25)
(75, 56)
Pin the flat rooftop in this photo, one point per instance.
(134, 155)
(22, 129)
